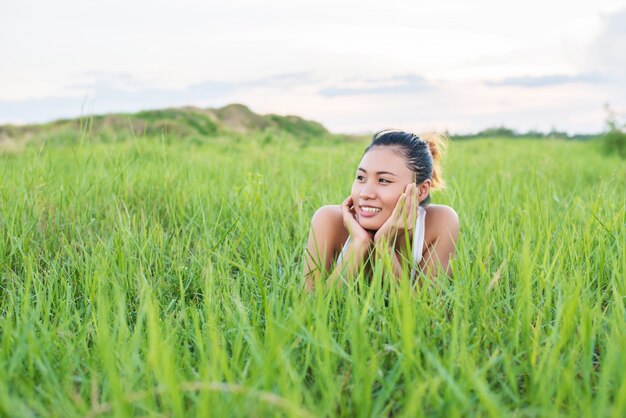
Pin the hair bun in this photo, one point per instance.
(438, 145)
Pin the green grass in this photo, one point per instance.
(163, 278)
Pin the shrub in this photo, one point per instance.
(615, 139)
(615, 142)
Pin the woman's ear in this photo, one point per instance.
(424, 189)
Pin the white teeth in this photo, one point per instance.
(373, 210)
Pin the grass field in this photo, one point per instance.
(163, 278)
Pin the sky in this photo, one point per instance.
(354, 66)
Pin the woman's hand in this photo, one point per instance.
(358, 235)
(403, 217)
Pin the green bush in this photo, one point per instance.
(615, 142)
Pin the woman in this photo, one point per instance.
(388, 212)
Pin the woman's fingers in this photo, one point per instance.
(414, 197)
(408, 215)
(399, 209)
(349, 219)
(347, 204)
(346, 209)
(410, 207)
(352, 225)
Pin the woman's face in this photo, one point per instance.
(379, 182)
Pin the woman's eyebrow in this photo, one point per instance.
(378, 172)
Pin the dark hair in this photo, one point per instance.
(422, 154)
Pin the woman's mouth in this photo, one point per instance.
(368, 211)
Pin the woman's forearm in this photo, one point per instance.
(386, 248)
(349, 264)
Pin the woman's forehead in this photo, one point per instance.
(385, 159)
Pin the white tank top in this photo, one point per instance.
(418, 241)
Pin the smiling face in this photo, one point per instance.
(379, 182)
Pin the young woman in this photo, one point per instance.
(387, 212)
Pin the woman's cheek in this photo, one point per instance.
(384, 217)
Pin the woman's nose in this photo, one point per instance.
(367, 193)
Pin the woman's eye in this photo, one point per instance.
(360, 178)
(384, 181)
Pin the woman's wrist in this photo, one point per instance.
(360, 248)
(384, 245)
(380, 235)
(385, 236)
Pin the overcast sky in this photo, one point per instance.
(355, 66)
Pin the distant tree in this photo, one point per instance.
(534, 134)
(498, 131)
(556, 134)
(614, 139)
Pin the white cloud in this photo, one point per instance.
(607, 52)
(343, 63)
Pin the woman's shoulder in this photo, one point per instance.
(328, 215)
(328, 225)
(442, 211)
(441, 217)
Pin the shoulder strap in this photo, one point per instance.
(418, 236)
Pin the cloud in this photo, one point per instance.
(604, 62)
(121, 92)
(99, 80)
(404, 84)
(282, 80)
(104, 99)
(548, 80)
(606, 52)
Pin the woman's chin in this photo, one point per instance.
(370, 225)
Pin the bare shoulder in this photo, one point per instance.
(442, 213)
(441, 219)
(328, 213)
(327, 223)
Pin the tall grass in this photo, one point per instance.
(152, 277)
